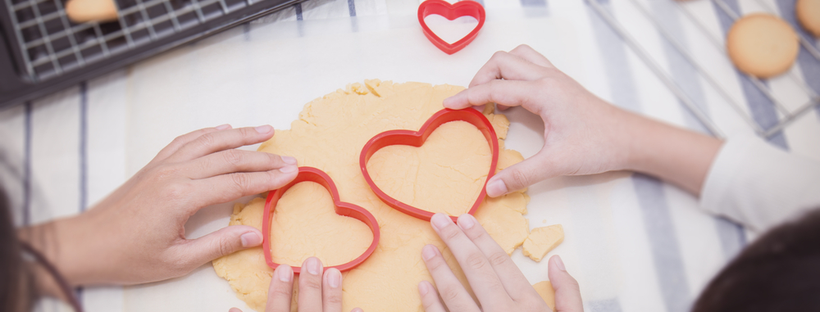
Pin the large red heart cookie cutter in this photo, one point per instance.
(310, 174)
(451, 12)
(417, 138)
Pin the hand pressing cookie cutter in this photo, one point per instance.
(417, 138)
(451, 12)
(310, 174)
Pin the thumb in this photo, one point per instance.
(222, 243)
(521, 175)
(567, 291)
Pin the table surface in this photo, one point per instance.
(633, 242)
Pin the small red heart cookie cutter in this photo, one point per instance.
(451, 12)
(310, 174)
(417, 138)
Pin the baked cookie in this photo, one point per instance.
(808, 13)
(81, 11)
(762, 45)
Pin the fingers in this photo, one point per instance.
(522, 174)
(234, 160)
(310, 286)
(503, 92)
(221, 243)
(181, 140)
(211, 142)
(429, 298)
(332, 291)
(511, 276)
(234, 310)
(452, 292)
(228, 187)
(503, 65)
(567, 291)
(480, 273)
(529, 54)
(280, 290)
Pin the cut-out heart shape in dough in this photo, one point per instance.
(417, 139)
(450, 12)
(309, 174)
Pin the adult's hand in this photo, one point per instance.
(582, 133)
(318, 292)
(137, 234)
(496, 281)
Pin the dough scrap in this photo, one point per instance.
(546, 292)
(329, 135)
(542, 240)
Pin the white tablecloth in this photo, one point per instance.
(633, 243)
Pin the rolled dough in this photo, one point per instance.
(445, 174)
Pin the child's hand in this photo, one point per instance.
(581, 133)
(496, 281)
(318, 292)
(137, 233)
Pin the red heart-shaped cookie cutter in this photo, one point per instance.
(417, 138)
(451, 12)
(309, 174)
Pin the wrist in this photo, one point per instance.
(62, 243)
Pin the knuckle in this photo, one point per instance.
(223, 247)
(476, 261)
(241, 181)
(519, 179)
(498, 54)
(206, 140)
(233, 157)
(176, 191)
(449, 293)
(498, 258)
(310, 284)
(334, 298)
(281, 292)
(449, 233)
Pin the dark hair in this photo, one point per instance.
(778, 272)
(17, 287)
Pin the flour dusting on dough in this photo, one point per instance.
(329, 135)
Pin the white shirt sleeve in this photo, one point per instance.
(759, 185)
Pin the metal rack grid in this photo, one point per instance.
(51, 45)
(787, 115)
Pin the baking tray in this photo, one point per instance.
(42, 51)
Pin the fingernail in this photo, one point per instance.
(559, 263)
(223, 127)
(428, 252)
(285, 273)
(466, 221)
(440, 220)
(313, 266)
(264, 129)
(334, 278)
(423, 288)
(288, 169)
(289, 160)
(250, 239)
(496, 188)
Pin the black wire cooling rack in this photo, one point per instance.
(42, 51)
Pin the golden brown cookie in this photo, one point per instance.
(81, 11)
(808, 13)
(762, 45)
